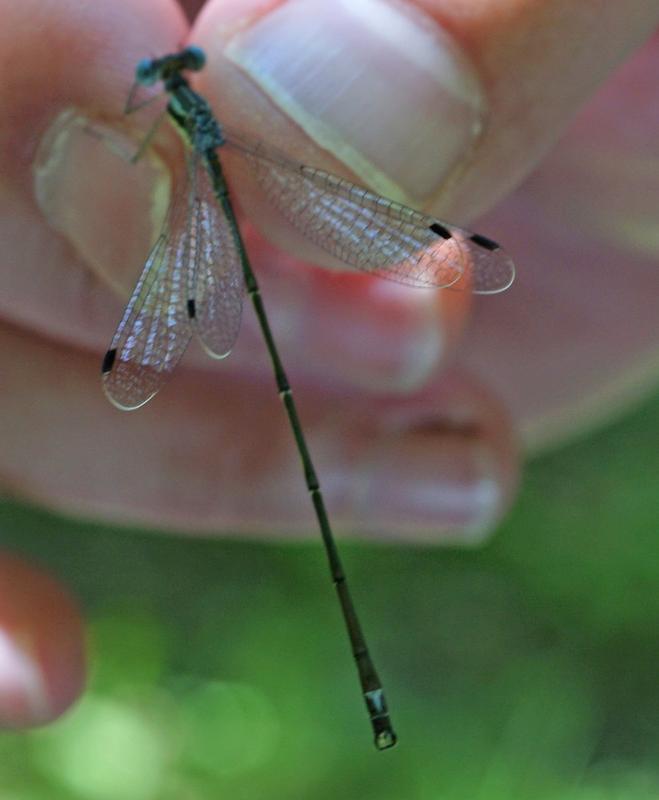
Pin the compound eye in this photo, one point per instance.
(195, 58)
(146, 72)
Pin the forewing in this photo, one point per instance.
(216, 287)
(154, 330)
(356, 226)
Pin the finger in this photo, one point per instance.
(439, 465)
(60, 243)
(56, 293)
(444, 105)
(42, 663)
(191, 7)
(576, 342)
(90, 216)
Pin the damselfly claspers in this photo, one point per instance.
(195, 276)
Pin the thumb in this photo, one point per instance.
(433, 103)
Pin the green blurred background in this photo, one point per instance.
(524, 670)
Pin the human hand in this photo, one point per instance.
(403, 449)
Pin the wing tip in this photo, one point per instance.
(507, 274)
(124, 406)
(110, 389)
(501, 273)
(214, 354)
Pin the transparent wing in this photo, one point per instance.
(370, 232)
(215, 289)
(154, 330)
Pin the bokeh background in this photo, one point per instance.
(523, 670)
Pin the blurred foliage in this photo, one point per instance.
(525, 670)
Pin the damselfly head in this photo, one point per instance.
(193, 58)
(147, 72)
(150, 70)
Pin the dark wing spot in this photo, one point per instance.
(192, 309)
(108, 360)
(440, 230)
(483, 241)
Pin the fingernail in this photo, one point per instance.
(442, 484)
(23, 689)
(108, 209)
(378, 83)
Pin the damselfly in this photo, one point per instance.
(195, 276)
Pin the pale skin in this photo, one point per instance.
(183, 463)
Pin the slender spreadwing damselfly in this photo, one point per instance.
(195, 276)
